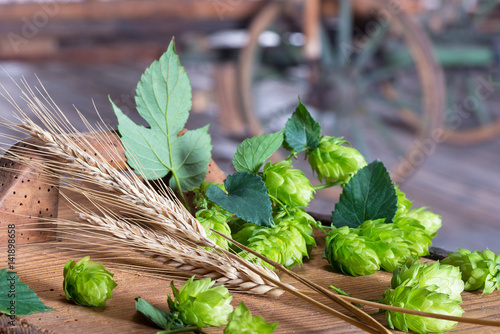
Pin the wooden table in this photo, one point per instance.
(41, 267)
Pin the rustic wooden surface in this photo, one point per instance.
(41, 265)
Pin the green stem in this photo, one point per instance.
(179, 190)
(279, 202)
(323, 186)
(292, 155)
(181, 330)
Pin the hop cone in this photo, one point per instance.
(404, 204)
(415, 234)
(446, 278)
(214, 218)
(428, 219)
(390, 244)
(242, 322)
(286, 243)
(480, 269)
(420, 299)
(201, 304)
(289, 185)
(201, 200)
(87, 282)
(245, 232)
(351, 253)
(333, 161)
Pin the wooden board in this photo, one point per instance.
(41, 265)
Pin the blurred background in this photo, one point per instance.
(414, 83)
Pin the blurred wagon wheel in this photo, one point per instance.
(322, 67)
(466, 45)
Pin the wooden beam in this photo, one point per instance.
(129, 9)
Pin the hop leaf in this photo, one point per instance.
(242, 322)
(333, 161)
(163, 101)
(87, 282)
(201, 200)
(420, 299)
(351, 253)
(446, 278)
(201, 304)
(289, 185)
(391, 246)
(480, 269)
(215, 219)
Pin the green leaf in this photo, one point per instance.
(162, 318)
(253, 152)
(246, 197)
(16, 297)
(155, 314)
(301, 130)
(164, 100)
(369, 195)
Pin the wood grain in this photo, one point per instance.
(40, 266)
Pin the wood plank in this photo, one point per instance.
(129, 9)
(40, 266)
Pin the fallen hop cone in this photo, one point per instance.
(289, 185)
(201, 304)
(241, 321)
(429, 220)
(351, 253)
(333, 161)
(480, 269)
(447, 278)
(87, 282)
(408, 296)
(391, 246)
(413, 232)
(287, 242)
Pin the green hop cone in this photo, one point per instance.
(215, 218)
(391, 246)
(87, 282)
(201, 304)
(408, 296)
(428, 219)
(480, 269)
(415, 234)
(404, 204)
(201, 200)
(242, 322)
(288, 185)
(287, 242)
(245, 232)
(333, 161)
(447, 278)
(351, 253)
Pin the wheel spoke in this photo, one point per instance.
(359, 138)
(368, 50)
(344, 33)
(385, 133)
(479, 108)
